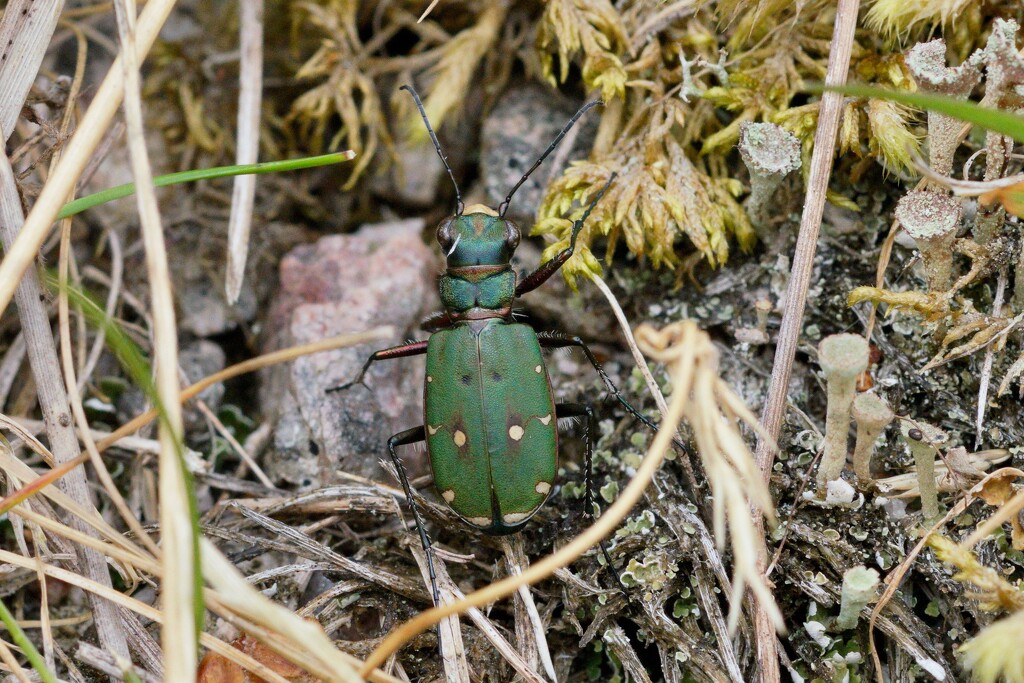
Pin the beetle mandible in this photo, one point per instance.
(490, 420)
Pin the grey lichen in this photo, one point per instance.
(932, 219)
(924, 441)
(770, 153)
(842, 358)
(872, 414)
(859, 588)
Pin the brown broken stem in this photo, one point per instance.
(829, 114)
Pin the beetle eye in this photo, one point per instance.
(511, 235)
(445, 235)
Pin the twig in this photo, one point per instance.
(248, 145)
(829, 113)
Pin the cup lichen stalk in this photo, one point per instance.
(924, 441)
(873, 415)
(842, 358)
(860, 587)
(927, 64)
(932, 219)
(770, 153)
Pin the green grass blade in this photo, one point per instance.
(1002, 122)
(82, 203)
(28, 649)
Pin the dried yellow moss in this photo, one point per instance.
(588, 30)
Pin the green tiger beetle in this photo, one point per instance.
(490, 419)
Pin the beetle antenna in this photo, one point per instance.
(459, 206)
(558, 138)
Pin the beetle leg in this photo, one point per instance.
(587, 411)
(410, 436)
(590, 428)
(436, 322)
(411, 349)
(550, 267)
(555, 340)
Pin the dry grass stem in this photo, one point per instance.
(235, 446)
(728, 471)
(247, 146)
(120, 437)
(449, 632)
(251, 365)
(146, 611)
(8, 658)
(532, 642)
(180, 586)
(78, 409)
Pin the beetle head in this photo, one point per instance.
(478, 237)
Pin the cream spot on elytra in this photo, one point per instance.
(479, 521)
(538, 369)
(449, 495)
(542, 488)
(459, 438)
(546, 419)
(514, 517)
(429, 378)
(515, 432)
(433, 430)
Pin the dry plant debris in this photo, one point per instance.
(704, 121)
